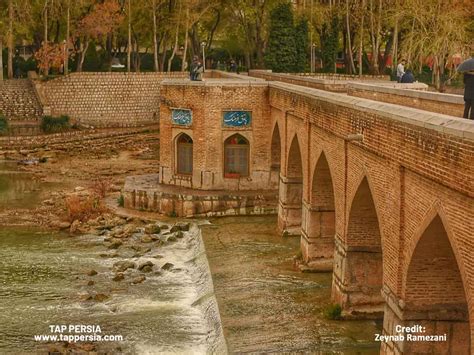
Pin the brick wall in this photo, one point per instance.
(447, 104)
(207, 100)
(105, 99)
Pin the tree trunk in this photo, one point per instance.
(361, 37)
(395, 41)
(68, 29)
(1, 58)
(175, 47)
(10, 42)
(84, 48)
(183, 64)
(349, 42)
(129, 48)
(155, 44)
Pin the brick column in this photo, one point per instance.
(289, 205)
(357, 280)
(317, 237)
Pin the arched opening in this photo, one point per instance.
(236, 156)
(435, 296)
(291, 192)
(358, 273)
(184, 154)
(276, 149)
(317, 239)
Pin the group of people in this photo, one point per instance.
(407, 77)
(403, 76)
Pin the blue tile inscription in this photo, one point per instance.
(237, 118)
(181, 117)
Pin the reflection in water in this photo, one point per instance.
(268, 306)
(18, 189)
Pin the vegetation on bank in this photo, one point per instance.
(3, 125)
(353, 36)
(50, 124)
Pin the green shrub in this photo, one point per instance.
(121, 201)
(51, 124)
(333, 311)
(3, 125)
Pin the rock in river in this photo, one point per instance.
(138, 280)
(167, 266)
(124, 265)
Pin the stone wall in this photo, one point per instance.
(447, 104)
(18, 101)
(105, 99)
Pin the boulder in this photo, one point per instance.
(167, 266)
(91, 273)
(179, 234)
(181, 226)
(145, 264)
(64, 225)
(138, 279)
(171, 238)
(124, 265)
(146, 239)
(118, 277)
(152, 229)
(90, 283)
(74, 226)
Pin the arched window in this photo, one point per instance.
(184, 156)
(236, 156)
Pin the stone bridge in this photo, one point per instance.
(386, 194)
(381, 194)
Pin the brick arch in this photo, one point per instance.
(275, 148)
(358, 261)
(319, 219)
(363, 224)
(435, 290)
(290, 207)
(322, 187)
(294, 161)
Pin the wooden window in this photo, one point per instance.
(184, 154)
(236, 156)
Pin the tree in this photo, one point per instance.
(96, 25)
(281, 51)
(301, 41)
(329, 37)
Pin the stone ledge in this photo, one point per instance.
(215, 82)
(409, 92)
(442, 123)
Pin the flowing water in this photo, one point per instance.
(265, 304)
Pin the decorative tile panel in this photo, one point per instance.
(182, 117)
(237, 118)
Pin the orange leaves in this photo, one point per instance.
(50, 55)
(103, 19)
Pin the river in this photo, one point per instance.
(265, 304)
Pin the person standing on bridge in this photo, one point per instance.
(401, 70)
(469, 95)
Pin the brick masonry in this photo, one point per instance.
(446, 104)
(395, 173)
(105, 99)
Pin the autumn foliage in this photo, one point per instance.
(84, 208)
(105, 18)
(50, 55)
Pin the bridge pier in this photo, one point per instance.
(317, 237)
(357, 280)
(289, 205)
(452, 321)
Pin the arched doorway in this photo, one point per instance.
(236, 156)
(358, 271)
(291, 192)
(318, 229)
(184, 154)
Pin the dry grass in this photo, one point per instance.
(101, 187)
(85, 208)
